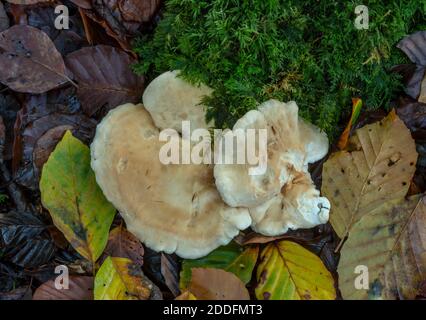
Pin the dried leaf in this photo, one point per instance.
(4, 20)
(75, 202)
(22, 293)
(29, 60)
(121, 279)
(123, 244)
(170, 272)
(414, 46)
(80, 288)
(290, 272)
(356, 110)
(378, 169)
(104, 78)
(186, 296)
(216, 284)
(391, 243)
(232, 258)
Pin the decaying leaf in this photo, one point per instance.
(232, 258)
(123, 244)
(29, 60)
(356, 110)
(413, 46)
(79, 288)
(4, 20)
(75, 202)
(170, 272)
(104, 77)
(23, 240)
(121, 279)
(288, 271)
(377, 168)
(390, 244)
(186, 296)
(216, 284)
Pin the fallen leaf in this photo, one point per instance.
(4, 20)
(170, 272)
(216, 284)
(288, 271)
(121, 279)
(75, 202)
(123, 244)
(186, 296)
(29, 60)
(232, 258)
(22, 240)
(27, 2)
(414, 46)
(79, 288)
(136, 10)
(377, 168)
(356, 109)
(391, 243)
(22, 293)
(104, 77)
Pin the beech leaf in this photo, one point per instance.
(290, 272)
(105, 78)
(29, 61)
(376, 168)
(391, 243)
(79, 288)
(75, 202)
(121, 279)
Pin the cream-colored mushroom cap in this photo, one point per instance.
(170, 100)
(298, 206)
(171, 208)
(285, 154)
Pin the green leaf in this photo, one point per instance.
(121, 279)
(76, 203)
(290, 272)
(231, 258)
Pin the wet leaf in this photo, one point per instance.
(79, 288)
(75, 202)
(123, 244)
(414, 46)
(288, 271)
(29, 60)
(4, 20)
(216, 284)
(170, 272)
(232, 258)
(104, 77)
(22, 240)
(377, 168)
(121, 279)
(22, 293)
(391, 243)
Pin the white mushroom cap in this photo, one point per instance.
(170, 100)
(298, 206)
(316, 141)
(171, 208)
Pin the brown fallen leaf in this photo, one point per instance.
(80, 288)
(21, 293)
(186, 296)
(217, 284)
(85, 4)
(29, 60)
(4, 20)
(170, 272)
(377, 168)
(27, 2)
(123, 244)
(104, 77)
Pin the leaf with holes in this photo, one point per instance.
(76, 203)
(290, 272)
(391, 243)
(232, 258)
(376, 168)
(121, 279)
(29, 61)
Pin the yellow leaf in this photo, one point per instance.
(186, 296)
(77, 205)
(356, 110)
(121, 279)
(290, 272)
(386, 251)
(377, 168)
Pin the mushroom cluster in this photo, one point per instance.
(191, 209)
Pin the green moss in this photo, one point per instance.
(307, 51)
